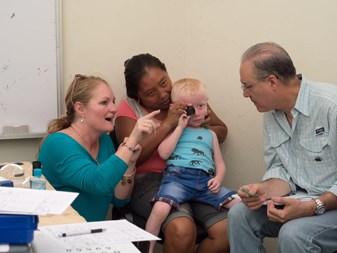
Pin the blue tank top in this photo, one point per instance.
(194, 150)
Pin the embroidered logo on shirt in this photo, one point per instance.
(319, 130)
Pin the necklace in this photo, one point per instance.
(84, 142)
(76, 132)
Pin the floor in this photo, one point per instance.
(270, 244)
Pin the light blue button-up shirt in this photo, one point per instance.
(305, 155)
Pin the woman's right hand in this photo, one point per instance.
(144, 126)
(136, 151)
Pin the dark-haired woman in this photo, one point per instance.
(148, 88)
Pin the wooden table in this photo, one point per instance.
(70, 215)
(42, 244)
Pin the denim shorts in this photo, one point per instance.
(145, 188)
(181, 184)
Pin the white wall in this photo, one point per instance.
(201, 39)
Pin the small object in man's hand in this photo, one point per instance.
(279, 206)
(244, 189)
(190, 110)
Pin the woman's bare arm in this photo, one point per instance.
(124, 126)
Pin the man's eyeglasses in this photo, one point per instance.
(246, 87)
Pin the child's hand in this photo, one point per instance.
(174, 112)
(183, 120)
(214, 185)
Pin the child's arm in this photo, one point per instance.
(168, 145)
(214, 184)
(220, 167)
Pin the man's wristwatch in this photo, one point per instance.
(320, 207)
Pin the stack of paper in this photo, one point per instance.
(37, 202)
(117, 236)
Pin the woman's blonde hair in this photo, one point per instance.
(80, 90)
(188, 87)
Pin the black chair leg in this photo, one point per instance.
(143, 246)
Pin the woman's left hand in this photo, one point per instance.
(207, 120)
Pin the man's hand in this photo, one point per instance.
(292, 209)
(253, 195)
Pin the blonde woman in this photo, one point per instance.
(77, 154)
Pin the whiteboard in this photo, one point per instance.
(30, 71)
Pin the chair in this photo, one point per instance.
(126, 213)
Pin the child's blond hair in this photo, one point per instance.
(188, 87)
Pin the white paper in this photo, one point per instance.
(31, 201)
(43, 244)
(118, 234)
(300, 195)
(4, 247)
(117, 231)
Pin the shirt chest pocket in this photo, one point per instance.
(315, 149)
(277, 139)
(317, 160)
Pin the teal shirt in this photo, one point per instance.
(69, 167)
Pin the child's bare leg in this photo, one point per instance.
(158, 214)
(232, 203)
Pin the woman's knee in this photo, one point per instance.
(218, 236)
(218, 230)
(180, 231)
(217, 240)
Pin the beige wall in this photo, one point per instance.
(201, 39)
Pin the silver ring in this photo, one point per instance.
(145, 124)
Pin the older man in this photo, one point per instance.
(300, 142)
